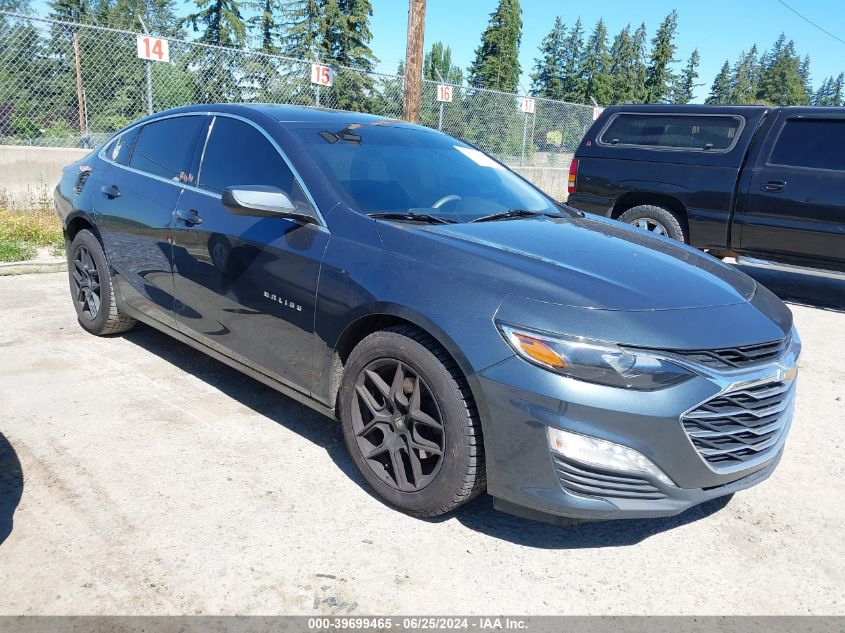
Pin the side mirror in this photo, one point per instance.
(264, 201)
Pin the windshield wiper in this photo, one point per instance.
(513, 213)
(411, 216)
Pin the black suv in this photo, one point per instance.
(759, 182)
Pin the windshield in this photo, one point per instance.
(381, 168)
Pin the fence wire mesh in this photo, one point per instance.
(40, 88)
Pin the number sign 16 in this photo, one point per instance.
(444, 93)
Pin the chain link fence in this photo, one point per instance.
(47, 65)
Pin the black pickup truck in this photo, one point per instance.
(761, 183)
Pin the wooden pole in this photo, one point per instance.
(80, 96)
(414, 59)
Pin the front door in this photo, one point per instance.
(134, 210)
(246, 286)
(796, 198)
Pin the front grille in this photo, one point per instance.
(740, 425)
(587, 480)
(734, 357)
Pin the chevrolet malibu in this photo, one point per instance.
(468, 332)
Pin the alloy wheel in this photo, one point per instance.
(651, 225)
(397, 425)
(86, 283)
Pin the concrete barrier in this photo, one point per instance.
(29, 174)
(552, 180)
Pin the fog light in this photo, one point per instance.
(604, 454)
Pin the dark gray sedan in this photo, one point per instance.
(468, 332)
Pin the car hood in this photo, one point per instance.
(579, 262)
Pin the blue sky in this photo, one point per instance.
(720, 29)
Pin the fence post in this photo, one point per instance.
(524, 135)
(149, 87)
(440, 118)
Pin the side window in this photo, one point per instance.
(163, 146)
(673, 131)
(814, 143)
(121, 147)
(238, 154)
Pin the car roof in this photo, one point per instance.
(286, 113)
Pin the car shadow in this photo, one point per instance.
(478, 515)
(11, 486)
(800, 289)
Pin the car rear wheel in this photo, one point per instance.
(91, 287)
(410, 423)
(656, 220)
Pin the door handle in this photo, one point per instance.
(191, 218)
(773, 186)
(111, 192)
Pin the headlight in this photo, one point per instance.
(604, 454)
(794, 346)
(594, 361)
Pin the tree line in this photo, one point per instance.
(38, 92)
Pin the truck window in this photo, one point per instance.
(813, 143)
(673, 131)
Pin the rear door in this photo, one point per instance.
(795, 205)
(134, 209)
(246, 286)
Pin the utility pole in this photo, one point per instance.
(414, 59)
(80, 94)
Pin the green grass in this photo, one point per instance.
(11, 251)
(21, 233)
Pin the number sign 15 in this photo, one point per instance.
(153, 48)
(321, 75)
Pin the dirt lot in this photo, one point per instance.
(139, 476)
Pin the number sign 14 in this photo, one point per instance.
(153, 48)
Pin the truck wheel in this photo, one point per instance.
(410, 423)
(656, 220)
(91, 287)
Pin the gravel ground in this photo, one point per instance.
(138, 476)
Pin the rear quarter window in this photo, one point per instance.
(673, 132)
(811, 143)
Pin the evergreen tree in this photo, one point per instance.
(71, 10)
(595, 66)
(346, 35)
(221, 22)
(685, 85)
(496, 64)
(268, 26)
(830, 92)
(806, 77)
(438, 66)
(659, 77)
(625, 68)
(720, 92)
(301, 28)
(781, 82)
(640, 43)
(572, 85)
(547, 78)
(746, 78)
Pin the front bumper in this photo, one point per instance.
(520, 401)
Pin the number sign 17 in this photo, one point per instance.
(153, 48)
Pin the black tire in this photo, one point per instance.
(668, 222)
(91, 287)
(440, 389)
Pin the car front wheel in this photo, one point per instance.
(410, 423)
(91, 287)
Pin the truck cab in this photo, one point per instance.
(753, 181)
